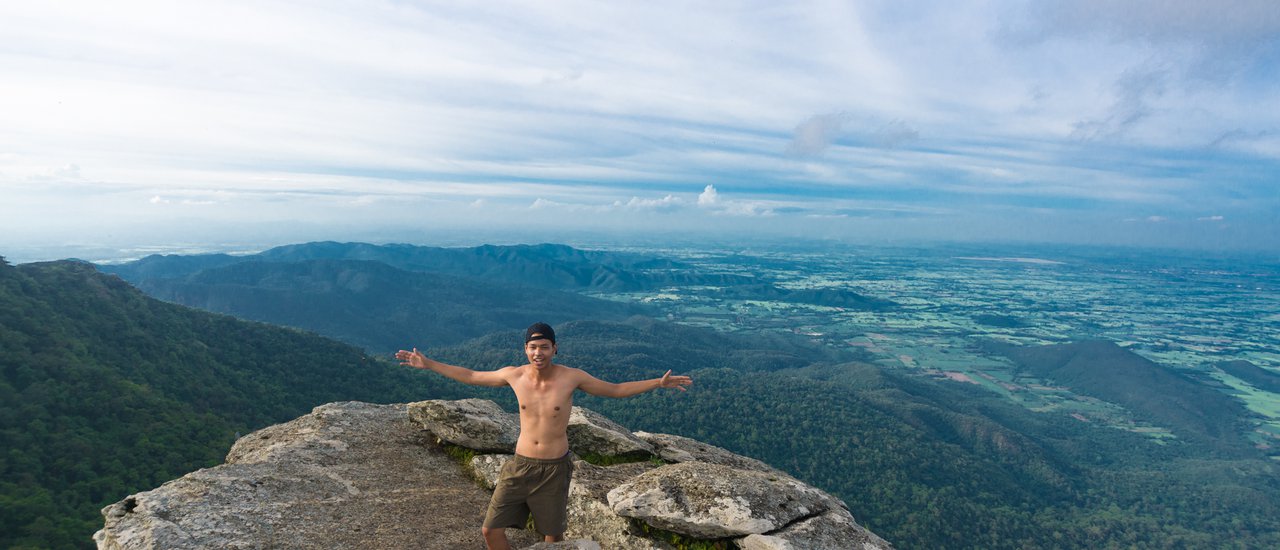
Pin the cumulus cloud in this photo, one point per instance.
(664, 204)
(1211, 219)
(709, 197)
(748, 208)
(711, 201)
(541, 204)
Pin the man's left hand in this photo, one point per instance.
(677, 382)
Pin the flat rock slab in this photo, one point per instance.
(477, 424)
(593, 433)
(346, 476)
(832, 530)
(712, 501)
(675, 448)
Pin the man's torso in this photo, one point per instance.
(545, 404)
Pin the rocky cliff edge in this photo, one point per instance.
(419, 475)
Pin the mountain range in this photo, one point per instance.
(544, 266)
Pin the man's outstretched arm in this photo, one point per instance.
(596, 386)
(417, 360)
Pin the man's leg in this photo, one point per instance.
(552, 538)
(495, 538)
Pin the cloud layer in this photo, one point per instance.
(1056, 120)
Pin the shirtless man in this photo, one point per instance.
(536, 481)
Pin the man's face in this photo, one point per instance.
(540, 353)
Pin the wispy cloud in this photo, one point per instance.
(377, 113)
(815, 135)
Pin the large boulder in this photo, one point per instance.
(712, 501)
(591, 517)
(591, 433)
(477, 424)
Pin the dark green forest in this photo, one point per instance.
(923, 464)
(106, 392)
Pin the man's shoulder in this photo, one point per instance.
(571, 371)
(565, 372)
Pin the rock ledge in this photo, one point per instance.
(356, 475)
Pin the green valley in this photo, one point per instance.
(953, 398)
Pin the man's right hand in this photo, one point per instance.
(413, 359)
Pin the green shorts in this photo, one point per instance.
(532, 486)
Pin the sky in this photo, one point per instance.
(166, 124)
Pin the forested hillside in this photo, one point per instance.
(1157, 394)
(374, 305)
(545, 266)
(105, 392)
(925, 464)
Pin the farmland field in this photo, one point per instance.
(1180, 311)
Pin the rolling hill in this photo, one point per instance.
(544, 266)
(374, 305)
(1154, 393)
(1252, 374)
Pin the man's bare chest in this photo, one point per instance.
(545, 400)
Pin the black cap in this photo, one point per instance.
(539, 331)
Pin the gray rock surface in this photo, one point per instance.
(355, 475)
(712, 501)
(566, 545)
(591, 517)
(832, 530)
(675, 448)
(486, 468)
(477, 424)
(592, 433)
(346, 476)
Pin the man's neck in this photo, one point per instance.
(545, 374)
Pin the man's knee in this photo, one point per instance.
(495, 538)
